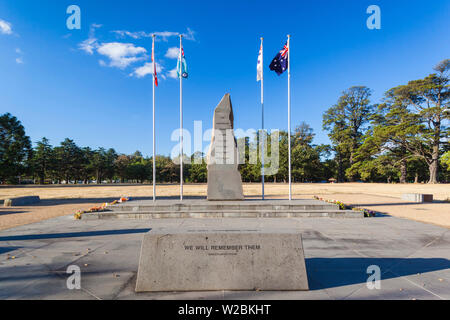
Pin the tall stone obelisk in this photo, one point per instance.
(224, 179)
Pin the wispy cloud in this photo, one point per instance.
(19, 60)
(5, 27)
(188, 35)
(91, 43)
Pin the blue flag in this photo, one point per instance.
(182, 66)
(280, 63)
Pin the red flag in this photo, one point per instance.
(154, 65)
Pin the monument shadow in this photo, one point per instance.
(73, 234)
(326, 273)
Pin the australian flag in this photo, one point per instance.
(280, 62)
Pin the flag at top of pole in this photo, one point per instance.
(280, 64)
(155, 75)
(259, 67)
(182, 65)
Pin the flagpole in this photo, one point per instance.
(262, 110)
(181, 121)
(154, 139)
(289, 114)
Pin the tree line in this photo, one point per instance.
(406, 133)
(403, 138)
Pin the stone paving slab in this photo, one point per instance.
(413, 257)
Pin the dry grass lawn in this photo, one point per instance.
(386, 198)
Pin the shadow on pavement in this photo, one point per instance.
(325, 273)
(73, 234)
(398, 204)
(56, 202)
(8, 212)
(8, 249)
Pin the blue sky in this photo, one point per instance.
(60, 88)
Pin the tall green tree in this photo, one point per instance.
(394, 126)
(346, 123)
(445, 163)
(100, 164)
(138, 169)
(283, 171)
(306, 158)
(15, 148)
(70, 161)
(167, 170)
(303, 135)
(87, 169)
(251, 168)
(120, 165)
(385, 144)
(111, 156)
(199, 171)
(43, 160)
(429, 98)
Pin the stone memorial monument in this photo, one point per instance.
(224, 179)
(193, 259)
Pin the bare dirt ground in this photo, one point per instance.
(385, 198)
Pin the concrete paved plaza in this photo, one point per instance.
(413, 257)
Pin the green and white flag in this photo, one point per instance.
(182, 65)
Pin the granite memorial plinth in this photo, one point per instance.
(224, 179)
(215, 260)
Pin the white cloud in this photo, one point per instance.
(95, 26)
(173, 53)
(134, 35)
(189, 35)
(122, 54)
(5, 27)
(19, 60)
(91, 43)
(146, 69)
(173, 74)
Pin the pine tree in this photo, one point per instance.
(346, 122)
(43, 160)
(15, 149)
(429, 99)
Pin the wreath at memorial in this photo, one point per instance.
(101, 208)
